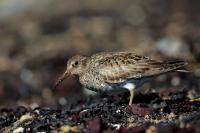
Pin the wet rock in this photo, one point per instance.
(141, 111)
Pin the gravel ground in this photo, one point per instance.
(149, 113)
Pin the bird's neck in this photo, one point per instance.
(83, 68)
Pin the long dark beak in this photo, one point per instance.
(62, 78)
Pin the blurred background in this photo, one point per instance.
(38, 36)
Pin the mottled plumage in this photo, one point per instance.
(116, 71)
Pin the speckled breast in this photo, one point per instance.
(94, 82)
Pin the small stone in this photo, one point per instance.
(19, 130)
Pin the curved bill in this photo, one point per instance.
(62, 78)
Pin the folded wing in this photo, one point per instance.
(119, 67)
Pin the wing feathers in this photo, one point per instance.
(119, 67)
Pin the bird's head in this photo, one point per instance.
(75, 66)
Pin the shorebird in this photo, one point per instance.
(116, 71)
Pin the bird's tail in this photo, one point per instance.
(175, 65)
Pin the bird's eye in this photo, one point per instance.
(75, 64)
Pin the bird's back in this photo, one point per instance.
(116, 67)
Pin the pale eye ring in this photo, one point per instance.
(75, 64)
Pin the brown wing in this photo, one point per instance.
(118, 67)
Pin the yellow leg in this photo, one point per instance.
(131, 96)
(131, 88)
